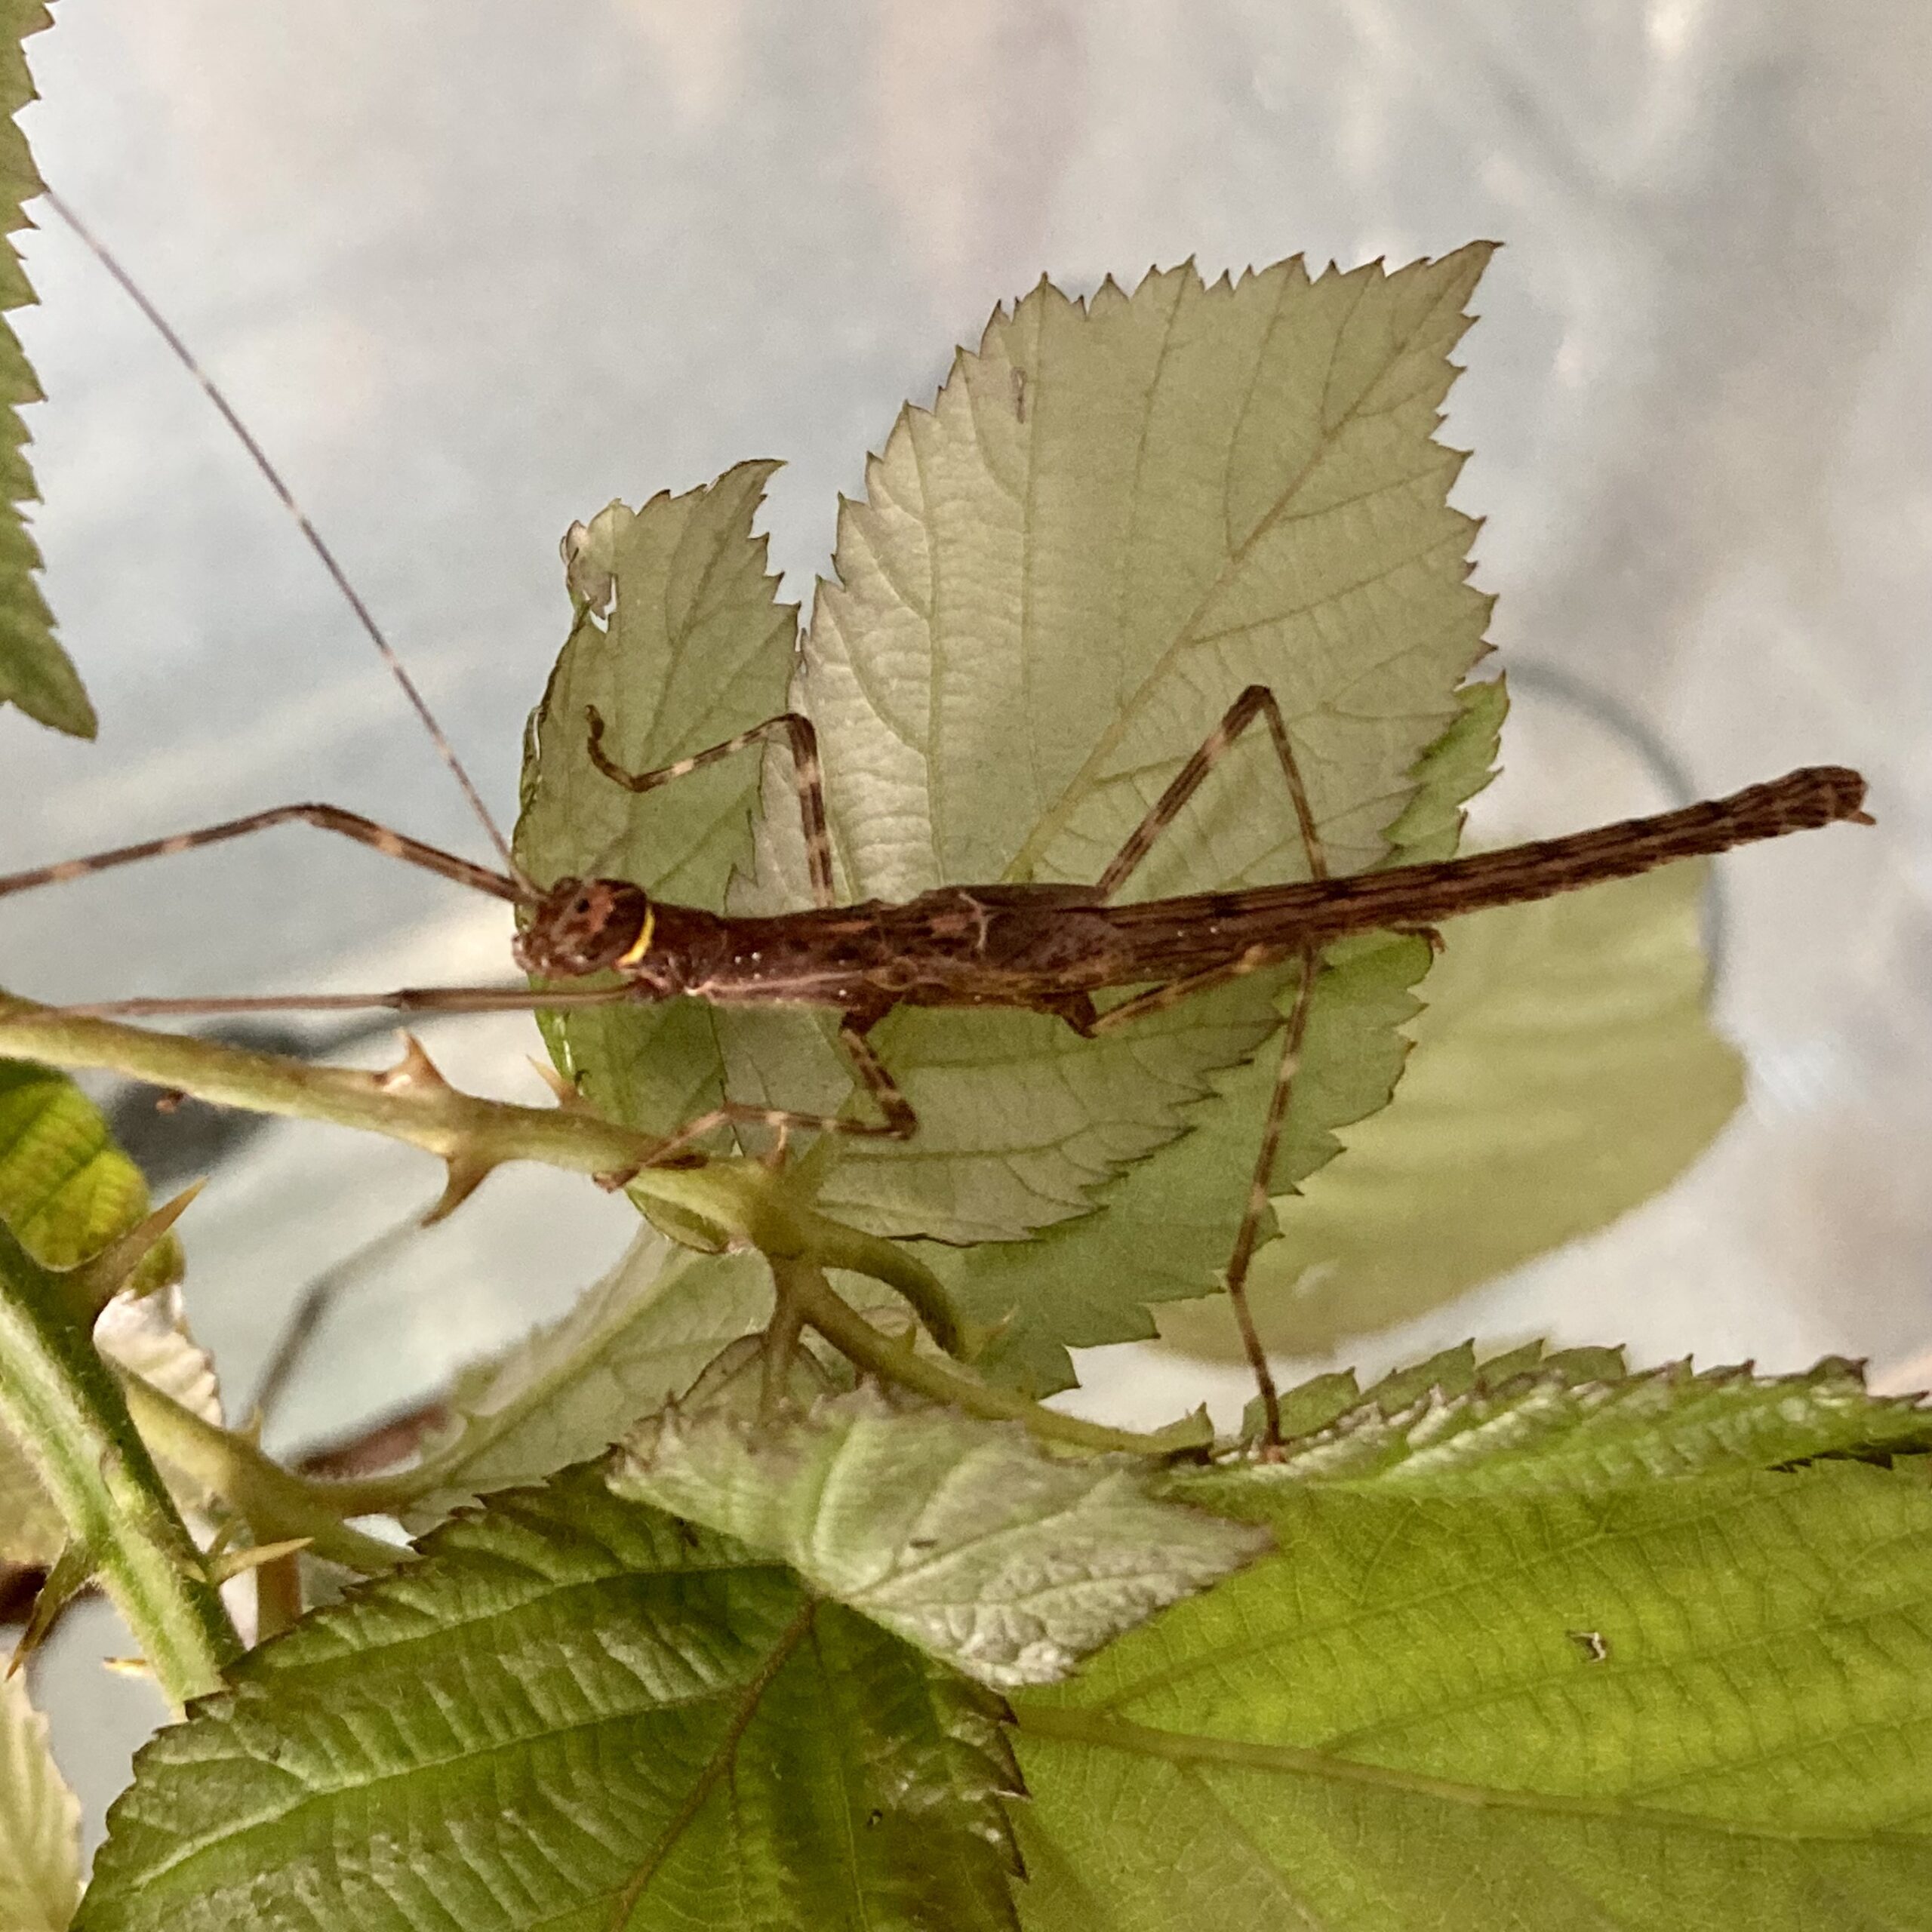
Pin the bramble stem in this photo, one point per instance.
(61, 1402)
(425, 1113)
(737, 1199)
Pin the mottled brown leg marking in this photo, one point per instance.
(805, 774)
(1257, 701)
(326, 818)
(900, 1122)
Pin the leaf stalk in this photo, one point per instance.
(805, 1285)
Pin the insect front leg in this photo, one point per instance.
(805, 772)
(328, 818)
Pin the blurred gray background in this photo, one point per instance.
(470, 272)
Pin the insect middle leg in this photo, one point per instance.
(1257, 701)
(806, 777)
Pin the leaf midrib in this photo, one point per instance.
(1608, 1533)
(1128, 711)
(228, 1835)
(1063, 1725)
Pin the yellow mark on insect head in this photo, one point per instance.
(642, 944)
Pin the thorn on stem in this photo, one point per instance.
(467, 1173)
(415, 1071)
(92, 1285)
(72, 1573)
(568, 1095)
(238, 1563)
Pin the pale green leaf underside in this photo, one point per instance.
(573, 1700)
(1565, 1070)
(40, 1822)
(963, 1537)
(35, 673)
(1116, 515)
(1402, 1722)
(633, 1341)
(694, 648)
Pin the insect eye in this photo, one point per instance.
(582, 905)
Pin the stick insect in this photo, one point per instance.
(1050, 948)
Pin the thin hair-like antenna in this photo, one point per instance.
(134, 292)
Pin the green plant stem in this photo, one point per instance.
(425, 1112)
(736, 1200)
(803, 1283)
(64, 1406)
(277, 1503)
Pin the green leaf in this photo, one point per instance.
(635, 1340)
(35, 673)
(642, 1336)
(572, 1702)
(1117, 515)
(963, 1537)
(1678, 1705)
(1167, 1227)
(679, 641)
(1575, 1421)
(40, 1822)
(1565, 1070)
(1020, 1119)
(1323, 1400)
(1164, 1230)
(66, 1191)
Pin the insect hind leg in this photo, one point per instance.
(1257, 701)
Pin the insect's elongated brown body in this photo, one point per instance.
(1052, 947)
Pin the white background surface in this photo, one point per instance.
(470, 271)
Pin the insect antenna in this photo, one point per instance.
(212, 390)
